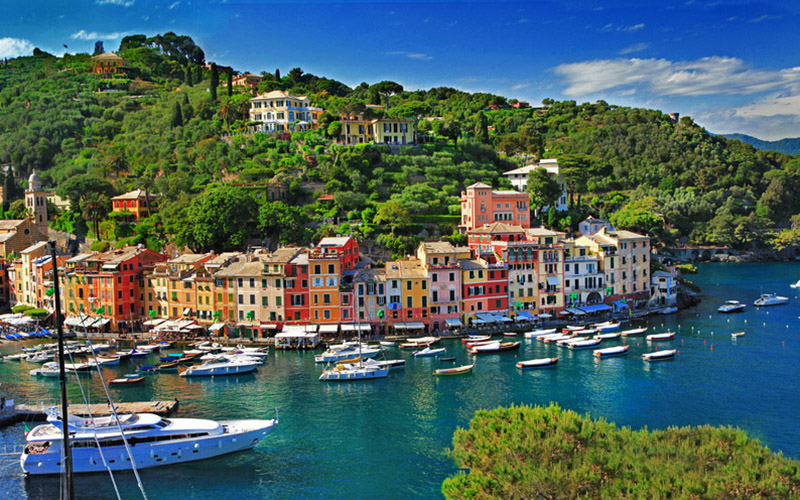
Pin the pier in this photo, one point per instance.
(30, 413)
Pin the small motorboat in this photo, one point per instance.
(736, 335)
(607, 336)
(731, 306)
(108, 360)
(386, 343)
(538, 333)
(661, 337)
(571, 340)
(476, 338)
(457, 370)
(549, 339)
(429, 352)
(796, 284)
(610, 352)
(585, 344)
(659, 355)
(635, 331)
(49, 369)
(128, 379)
(607, 326)
(770, 299)
(668, 310)
(482, 342)
(17, 357)
(168, 367)
(495, 347)
(391, 364)
(234, 367)
(444, 360)
(572, 328)
(148, 369)
(509, 334)
(537, 363)
(415, 345)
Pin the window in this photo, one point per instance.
(265, 301)
(408, 285)
(331, 268)
(326, 298)
(317, 269)
(278, 301)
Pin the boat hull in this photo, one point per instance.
(156, 454)
(199, 371)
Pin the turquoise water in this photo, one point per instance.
(388, 439)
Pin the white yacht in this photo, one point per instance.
(731, 306)
(353, 372)
(365, 351)
(154, 441)
(49, 369)
(770, 299)
(796, 284)
(228, 367)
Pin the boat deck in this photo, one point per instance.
(31, 413)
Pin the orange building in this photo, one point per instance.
(138, 202)
(326, 264)
(108, 64)
(480, 205)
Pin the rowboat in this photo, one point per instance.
(537, 363)
(635, 331)
(736, 335)
(482, 342)
(458, 370)
(585, 344)
(429, 352)
(476, 338)
(451, 358)
(128, 379)
(610, 352)
(509, 334)
(660, 337)
(538, 333)
(168, 367)
(386, 343)
(659, 355)
(414, 345)
(495, 347)
(607, 336)
(572, 328)
(607, 326)
(555, 338)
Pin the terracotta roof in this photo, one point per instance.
(433, 247)
(479, 185)
(188, 258)
(281, 255)
(108, 56)
(498, 227)
(405, 269)
(9, 224)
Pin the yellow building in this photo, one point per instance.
(279, 111)
(137, 202)
(407, 286)
(358, 130)
(550, 272)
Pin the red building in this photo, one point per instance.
(484, 288)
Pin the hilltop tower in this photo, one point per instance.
(36, 202)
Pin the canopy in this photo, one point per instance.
(100, 323)
(328, 328)
(194, 327)
(453, 322)
(154, 322)
(187, 311)
(269, 326)
(619, 304)
(545, 315)
(575, 311)
(486, 317)
(412, 325)
(216, 327)
(499, 318)
(553, 281)
(525, 316)
(595, 308)
(349, 327)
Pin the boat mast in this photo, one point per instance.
(62, 376)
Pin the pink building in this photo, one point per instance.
(480, 205)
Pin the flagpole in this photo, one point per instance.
(62, 376)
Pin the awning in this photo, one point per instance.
(620, 305)
(216, 326)
(100, 323)
(328, 328)
(187, 311)
(526, 316)
(153, 322)
(502, 319)
(269, 326)
(486, 318)
(194, 327)
(349, 327)
(553, 281)
(545, 315)
(575, 311)
(413, 325)
(595, 308)
(72, 320)
(453, 322)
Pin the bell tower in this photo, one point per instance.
(36, 202)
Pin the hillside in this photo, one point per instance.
(161, 127)
(788, 146)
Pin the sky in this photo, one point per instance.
(733, 66)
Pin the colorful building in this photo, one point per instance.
(484, 289)
(408, 288)
(441, 262)
(480, 205)
(137, 202)
(519, 179)
(279, 111)
(108, 64)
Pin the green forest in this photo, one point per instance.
(546, 452)
(169, 126)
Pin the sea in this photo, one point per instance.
(391, 438)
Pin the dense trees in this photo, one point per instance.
(218, 219)
(524, 452)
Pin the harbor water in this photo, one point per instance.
(389, 438)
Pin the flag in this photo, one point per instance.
(26, 429)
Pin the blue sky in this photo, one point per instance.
(733, 66)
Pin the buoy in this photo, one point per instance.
(704, 342)
(681, 341)
(712, 347)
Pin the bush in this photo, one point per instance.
(21, 308)
(536, 452)
(99, 246)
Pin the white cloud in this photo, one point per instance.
(15, 47)
(761, 19)
(411, 55)
(771, 106)
(121, 3)
(638, 47)
(174, 4)
(520, 86)
(611, 27)
(705, 76)
(93, 35)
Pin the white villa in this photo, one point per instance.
(519, 179)
(279, 111)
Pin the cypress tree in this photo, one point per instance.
(230, 83)
(177, 117)
(482, 128)
(214, 81)
(198, 76)
(187, 77)
(277, 74)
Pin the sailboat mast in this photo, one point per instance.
(62, 376)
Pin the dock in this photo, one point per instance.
(30, 413)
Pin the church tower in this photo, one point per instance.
(36, 202)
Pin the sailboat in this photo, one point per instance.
(347, 372)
